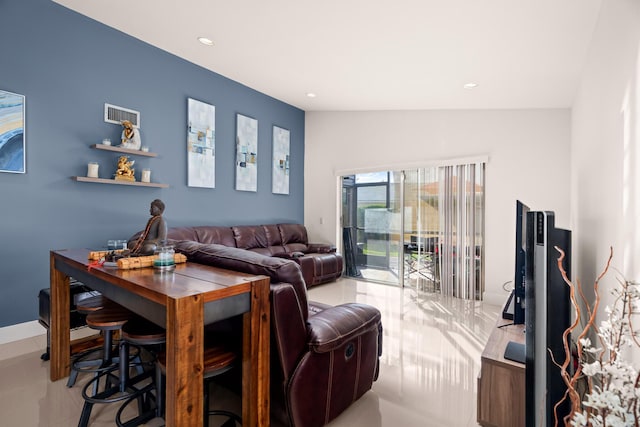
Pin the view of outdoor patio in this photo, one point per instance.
(407, 227)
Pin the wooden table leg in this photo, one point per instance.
(59, 327)
(185, 350)
(255, 364)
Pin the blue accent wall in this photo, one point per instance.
(68, 66)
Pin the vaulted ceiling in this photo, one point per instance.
(375, 54)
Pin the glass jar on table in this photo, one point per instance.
(164, 257)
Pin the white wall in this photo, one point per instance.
(606, 158)
(528, 154)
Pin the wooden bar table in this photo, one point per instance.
(182, 301)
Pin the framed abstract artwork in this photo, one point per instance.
(201, 150)
(246, 153)
(12, 140)
(280, 166)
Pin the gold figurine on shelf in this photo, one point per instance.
(125, 172)
(130, 136)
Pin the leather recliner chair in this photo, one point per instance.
(323, 358)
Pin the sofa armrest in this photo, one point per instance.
(320, 248)
(333, 327)
(288, 327)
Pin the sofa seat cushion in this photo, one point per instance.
(269, 251)
(316, 307)
(296, 247)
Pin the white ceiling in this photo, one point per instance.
(375, 54)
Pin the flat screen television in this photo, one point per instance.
(547, 316)
(519, 279)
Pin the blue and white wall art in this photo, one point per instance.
(201, 150)
(280, 174)
(246, 153)
(12, 142)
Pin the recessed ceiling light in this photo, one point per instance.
(470, 85)
(205, 41)
(311, 95)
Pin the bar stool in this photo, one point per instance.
(217, 360)
(112, 317)
(88, 360)
(140, 332)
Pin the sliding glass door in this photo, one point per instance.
(420, 228)
(371, 226)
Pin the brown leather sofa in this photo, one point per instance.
(323, 358)
(320, 263)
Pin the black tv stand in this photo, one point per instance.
(508, 309)
(515, 351)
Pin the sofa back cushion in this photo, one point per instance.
(273, 235)
(216, 234)
(266, 240)
(278, 269)
(182, 233)
(203, 234)
(262, 239)
(294, 237)
(250, 236)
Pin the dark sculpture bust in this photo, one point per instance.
(146, 242)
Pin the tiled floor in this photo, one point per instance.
(430, 364)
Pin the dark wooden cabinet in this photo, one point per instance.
(501, 384)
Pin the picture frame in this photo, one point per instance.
(280, 164)
(12, 132)
(246, 153)
(201, 140)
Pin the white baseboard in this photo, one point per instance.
(21, 331)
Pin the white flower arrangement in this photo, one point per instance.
(612, 384)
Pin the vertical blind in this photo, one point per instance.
(461, 212)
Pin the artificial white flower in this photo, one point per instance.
(591, 369)
(613, 399)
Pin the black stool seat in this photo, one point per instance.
(83, 362)
(111, 317)
(141, 332)
(91, 304)
(217, 359)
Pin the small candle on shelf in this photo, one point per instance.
(146, 175)
(106, 141)
(92, 170)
